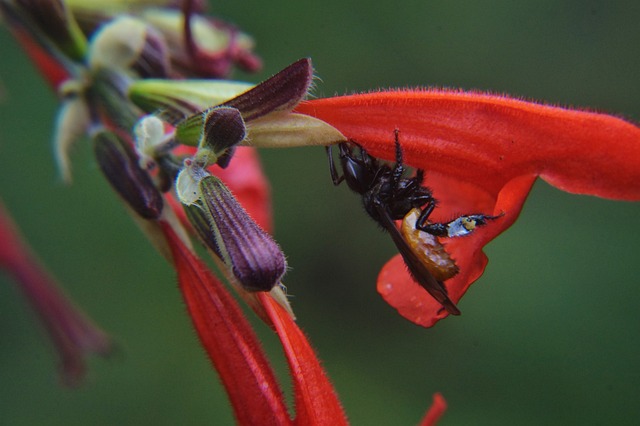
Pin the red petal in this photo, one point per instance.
(73, 334)
(436, 411)
(229, 341)
(51, 70)
(315, 399)
(488, 140)
(481, 154)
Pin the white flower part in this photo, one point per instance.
(149, 132)
(188, 182)
(71, 124)
(118, 44)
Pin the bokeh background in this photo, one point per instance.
(549, 335)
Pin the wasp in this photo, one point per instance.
(389, 195)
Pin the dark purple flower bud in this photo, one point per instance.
(252, 255)
(223, 129)
(54, 20)
(216, 129)
(120, 164)
(200, 222)
(282, 92)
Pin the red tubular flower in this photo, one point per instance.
(72, 333)
(229, 340)
(481, 154)
(236, 354)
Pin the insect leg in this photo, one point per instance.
(421, 223)
(337, 179)
(463, 225)
(398, 169)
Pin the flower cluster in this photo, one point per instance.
(147, 81)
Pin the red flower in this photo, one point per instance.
(72, 333)
(481, 154)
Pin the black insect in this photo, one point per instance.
(388, 195)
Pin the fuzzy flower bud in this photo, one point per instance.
(253, 256)
(216, 129)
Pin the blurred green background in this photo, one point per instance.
(549, 335)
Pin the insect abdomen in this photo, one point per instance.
(427, 248)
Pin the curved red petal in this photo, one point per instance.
(229, 340)
(249, 185)
(315, 399)
(488, 140)
(437, 409)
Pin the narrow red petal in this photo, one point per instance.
(72, 333)
(315, 399)
(488, 140)
(51, 70)
(437, 409)
(229, 340)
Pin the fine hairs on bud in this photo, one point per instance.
(254, 258)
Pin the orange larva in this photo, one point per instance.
(427, 248)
